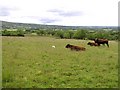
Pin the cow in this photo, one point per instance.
(101, 41)
(92, 44)
(76, 48)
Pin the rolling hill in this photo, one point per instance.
(15, 25)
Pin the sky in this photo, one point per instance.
(61, 12)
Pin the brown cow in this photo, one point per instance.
(92, 44)
(101, 41)
(76, 48)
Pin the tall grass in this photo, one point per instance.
(32, 62)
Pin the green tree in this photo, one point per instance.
(41, 32)
(66, 35)
(20, 32)
(80, 34)
(59, 33)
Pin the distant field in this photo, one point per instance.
(32, 62)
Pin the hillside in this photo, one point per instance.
(13, 25)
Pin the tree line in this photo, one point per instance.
(66, 34)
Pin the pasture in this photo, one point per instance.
(32, 62)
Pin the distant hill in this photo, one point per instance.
(13, 25)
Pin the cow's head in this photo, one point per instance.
(68, 46)
(89, 43)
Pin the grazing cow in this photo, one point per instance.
(76, 48)
(101, 41)
(92, 44)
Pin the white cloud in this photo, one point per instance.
(59, 12)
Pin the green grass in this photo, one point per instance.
(31, 62)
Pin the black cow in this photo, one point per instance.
(101, 41)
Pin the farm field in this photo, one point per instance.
(31, 62)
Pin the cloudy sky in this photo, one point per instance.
(61, 12)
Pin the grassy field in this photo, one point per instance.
(31, 62)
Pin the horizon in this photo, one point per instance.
(56, 25)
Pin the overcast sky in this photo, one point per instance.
(61, 12)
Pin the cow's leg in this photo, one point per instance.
(77, 49)
(104, 44)
(107, 44)
(98, 44)
(72, 49)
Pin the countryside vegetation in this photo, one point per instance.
(29, 61)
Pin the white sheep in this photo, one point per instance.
(53, 46)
